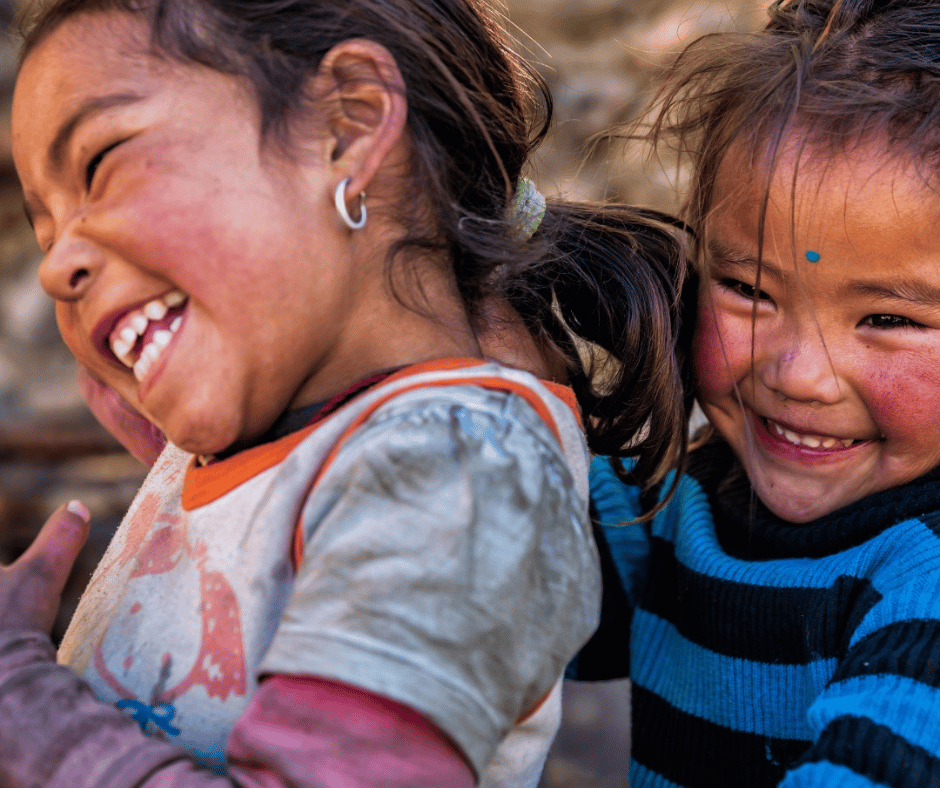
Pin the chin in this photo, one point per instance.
(200, 436)
(793, 502)
(794, 512)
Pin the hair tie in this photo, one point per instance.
(528, 209)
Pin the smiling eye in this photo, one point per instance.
(93, 165)
(890, 321)
(749, 292)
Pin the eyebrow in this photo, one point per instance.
(725, 253)
(86, 110)
(911, 290)
(63, 136)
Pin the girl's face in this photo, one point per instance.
(197, 271)
(829, 390)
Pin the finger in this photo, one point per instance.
(49, 559)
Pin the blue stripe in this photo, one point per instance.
(906, 707)
(759, 698)
(614, 501)
(918, 600)
(700, 551)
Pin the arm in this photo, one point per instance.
(877, 721)
(624, 551)
(298, 732)
(458, 527)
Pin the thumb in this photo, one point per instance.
(48, 561)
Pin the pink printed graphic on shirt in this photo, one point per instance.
(171, 592)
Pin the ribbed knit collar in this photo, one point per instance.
(746, 529)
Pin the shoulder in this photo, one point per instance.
(485, 408)
(453, 440)
(482, 387)
(465, 449)
(616, 502)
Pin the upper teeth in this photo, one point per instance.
(135, 325)
(811, 441)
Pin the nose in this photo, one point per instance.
(70, 267)
(799, 365)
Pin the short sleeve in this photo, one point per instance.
(448, 565)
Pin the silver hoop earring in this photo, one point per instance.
(340, 200)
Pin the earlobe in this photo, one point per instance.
(367, 118)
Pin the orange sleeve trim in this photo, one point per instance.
(538, 705)
(566, 395)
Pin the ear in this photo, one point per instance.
(367, 119)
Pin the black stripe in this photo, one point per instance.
(776, 625)
(875, 752)
(905, 648)
(607, 654)
(696, 753)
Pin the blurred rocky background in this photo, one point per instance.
(600, 58)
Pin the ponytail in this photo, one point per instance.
(607, 300)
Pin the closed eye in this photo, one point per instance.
(95, 162)
(749, 292)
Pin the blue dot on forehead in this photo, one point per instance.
(812, 256)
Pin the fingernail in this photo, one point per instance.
(78, 508)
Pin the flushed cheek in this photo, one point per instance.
(715, 355)
(904, 402)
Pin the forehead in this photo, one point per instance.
(852, 196)
(84, 48)
(88, 57)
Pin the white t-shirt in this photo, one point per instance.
(445, 561)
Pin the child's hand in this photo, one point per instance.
(30, 588)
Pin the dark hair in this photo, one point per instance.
(823, 74)
(610, 276)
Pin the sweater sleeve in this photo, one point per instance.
(301, 732)
(877, 720)
(624, 550)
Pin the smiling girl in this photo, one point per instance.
(276, 229)
(784, 609)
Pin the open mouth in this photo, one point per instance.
(140, 337)
(809, 440)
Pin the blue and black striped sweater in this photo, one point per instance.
(766, 653)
